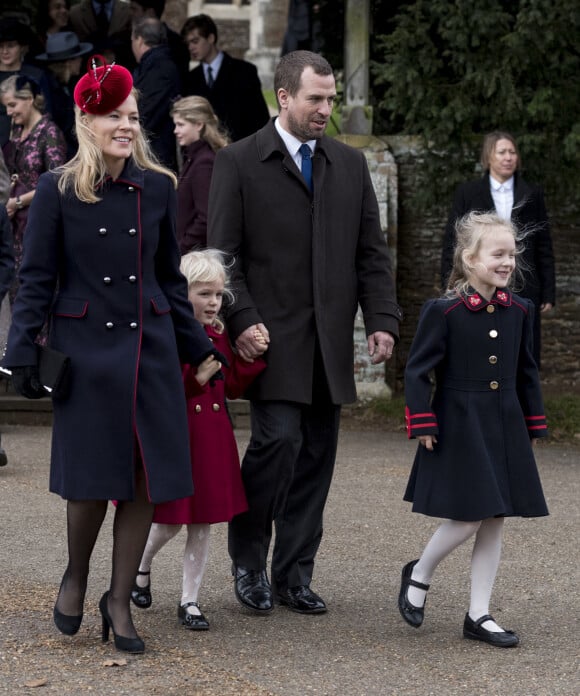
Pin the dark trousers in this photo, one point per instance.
(287, 471)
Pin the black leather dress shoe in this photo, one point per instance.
(473, 630)
(253, 590)
(413, 615)
(302, 600)
(195, 622)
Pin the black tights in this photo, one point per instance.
(130, 531)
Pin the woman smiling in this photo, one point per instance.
(101, 233)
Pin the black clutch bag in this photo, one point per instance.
(54, 370)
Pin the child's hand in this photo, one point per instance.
(207, 369)
(428, 441)
(259, 336)
(260, 339)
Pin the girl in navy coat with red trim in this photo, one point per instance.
(219, 491)
(474, 465)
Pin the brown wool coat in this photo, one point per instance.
(302, 262)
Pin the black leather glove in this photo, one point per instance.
(219, 374)
(220, 357)
(26, 381)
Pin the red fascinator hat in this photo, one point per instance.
(103, 87)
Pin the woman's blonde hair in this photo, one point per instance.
(469, 232)
(198, 110)
(23, 88)
(86, 171)
(207, 266)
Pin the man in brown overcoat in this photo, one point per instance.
(302, 228)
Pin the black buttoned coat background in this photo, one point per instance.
(236, 96)
(302, 264)
(122, 315)
(529, 214)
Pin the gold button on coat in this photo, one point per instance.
(103, 231)
(216, 407)
(109, 325)
(132, 231)
(493, 359)
(132, 279)
(494, 385)
(198, 408)
(493, 333)
(107, 280)
(490, 308)
(133, 325)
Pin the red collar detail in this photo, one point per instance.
(474, 301)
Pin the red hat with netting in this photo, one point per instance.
(103, 87)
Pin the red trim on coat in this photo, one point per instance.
(74, 316)
(425, 424)
(140, 276)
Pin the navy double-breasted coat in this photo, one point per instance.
(486, 406)
(122, 315)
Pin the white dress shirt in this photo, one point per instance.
(503, 196)
(293, 144)
(215, 66)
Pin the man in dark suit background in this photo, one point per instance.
(231, 85)
(107, 25)
(306, 249)
(154, 9)
(157, 79)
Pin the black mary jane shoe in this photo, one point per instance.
(302, 600)
(413, 615)
(195, 622)
(474, 631)
(69, 625)
(130, 645)
(141, 596)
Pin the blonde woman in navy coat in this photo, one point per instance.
(474, 465)
(101, 232)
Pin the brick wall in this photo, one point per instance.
(418, 255)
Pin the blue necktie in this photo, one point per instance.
(306, 153)
(210, 79)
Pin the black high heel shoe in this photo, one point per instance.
(69, 625)
(66, 623)
(130, 645)
(141, 596)
(413, 615)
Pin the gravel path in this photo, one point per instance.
(360, 647)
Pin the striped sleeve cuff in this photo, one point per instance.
(537, 426)
(420, 423)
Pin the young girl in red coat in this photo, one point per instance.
(219, 493)
(474, 465)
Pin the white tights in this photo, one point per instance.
(195, 556)
(484, 561)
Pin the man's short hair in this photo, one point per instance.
(289, 70)
(204, 25)
(151, 30)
